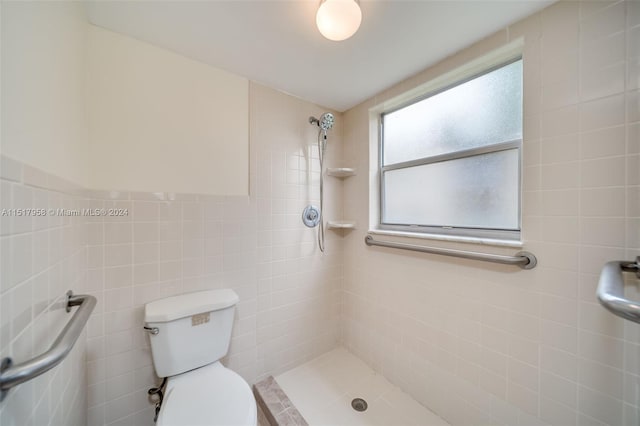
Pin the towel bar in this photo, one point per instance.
(12, 375)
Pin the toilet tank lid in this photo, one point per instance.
(185, 305)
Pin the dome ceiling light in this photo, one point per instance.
(338, 20)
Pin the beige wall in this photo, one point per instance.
(161, 122)
(480, 343)
(43, 86)
(108, 111)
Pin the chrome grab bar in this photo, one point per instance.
(523, 259)
(12, 375)
(610, 290)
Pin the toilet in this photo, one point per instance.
(189, 335)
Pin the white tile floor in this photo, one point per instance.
(322, 390)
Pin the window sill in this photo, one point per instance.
(452, 238)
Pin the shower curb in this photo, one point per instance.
(276, 405)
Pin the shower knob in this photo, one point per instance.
(311, 216)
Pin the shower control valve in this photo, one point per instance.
(311, 216)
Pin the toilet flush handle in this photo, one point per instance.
(152, 330)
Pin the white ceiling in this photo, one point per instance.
(277, 43)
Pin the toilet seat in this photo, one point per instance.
(209, 395)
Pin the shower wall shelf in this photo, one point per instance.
(341, 224)
(341, 172)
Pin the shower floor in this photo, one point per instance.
(323, 388)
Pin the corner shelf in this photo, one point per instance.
(341, 172)
(341, 224)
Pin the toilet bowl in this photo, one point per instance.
(189, 334)
(210, 395)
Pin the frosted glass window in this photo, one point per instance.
(450, 162)
(473, 192)
(481, 111)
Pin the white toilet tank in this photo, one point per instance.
(193, 329)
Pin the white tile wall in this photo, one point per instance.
(175, 243)
(166, 244)
(485, 344)
(42, 258)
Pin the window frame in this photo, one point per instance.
(443, 230)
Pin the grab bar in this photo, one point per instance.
(523, 259)
(12, 375)
(610, 290)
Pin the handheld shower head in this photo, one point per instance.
(325, 122)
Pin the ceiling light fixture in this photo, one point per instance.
(338, 20)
